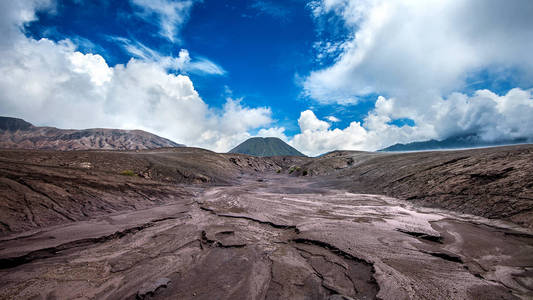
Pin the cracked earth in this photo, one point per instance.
(274, 237)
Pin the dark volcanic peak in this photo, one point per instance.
(19, 134)
(269, 146)
(454, 142)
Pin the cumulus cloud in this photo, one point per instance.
(309, 122)
(316, 137)
(278, 132)
(490, 116)
(486, 115)
(404, 47)
(14, 14)
(171, 15)
(51, 83)
(422, 54)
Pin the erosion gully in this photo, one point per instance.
(273, 237)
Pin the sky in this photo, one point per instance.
(322, 75)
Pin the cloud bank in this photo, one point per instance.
(51, 83)
(419, 55)
(485, 114)
(405, 48)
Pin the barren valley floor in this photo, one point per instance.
(260, 235)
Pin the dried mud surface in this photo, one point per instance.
(191, 224)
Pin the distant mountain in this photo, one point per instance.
(456, 142)
(19, 134)
(269, 146)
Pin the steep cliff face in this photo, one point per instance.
(19, 134)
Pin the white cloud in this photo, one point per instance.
(316, 137)
(278, 132)
(203, 65)
(182, 62)
(49, 83)
(490, 116)
(309, 122)
(93, 65)
(171, 15)
(333, 119)
(403, 48)
(14, 14)
(422, 54)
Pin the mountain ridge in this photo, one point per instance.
(17, 133)
(454, 142)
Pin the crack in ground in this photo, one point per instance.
(335, 250)
(215, 243)
(11, 262)
(323, 256)
(271, 224)
(317, 273)
(331, 248)
(425, 236)
(445, 256)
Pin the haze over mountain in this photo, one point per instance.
(18, 134)
(269, 146)
(455, 142)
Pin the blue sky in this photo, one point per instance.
(262, 46)
(265, 47)
(322, 75)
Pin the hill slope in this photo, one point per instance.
(19, 134)
(269, 146)
(488, 182)
(47, 187)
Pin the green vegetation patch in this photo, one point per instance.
(292, 169)
(128, 173)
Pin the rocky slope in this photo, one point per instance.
(43, 188)
(19, 134)
(269, 146)
(490, 182)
